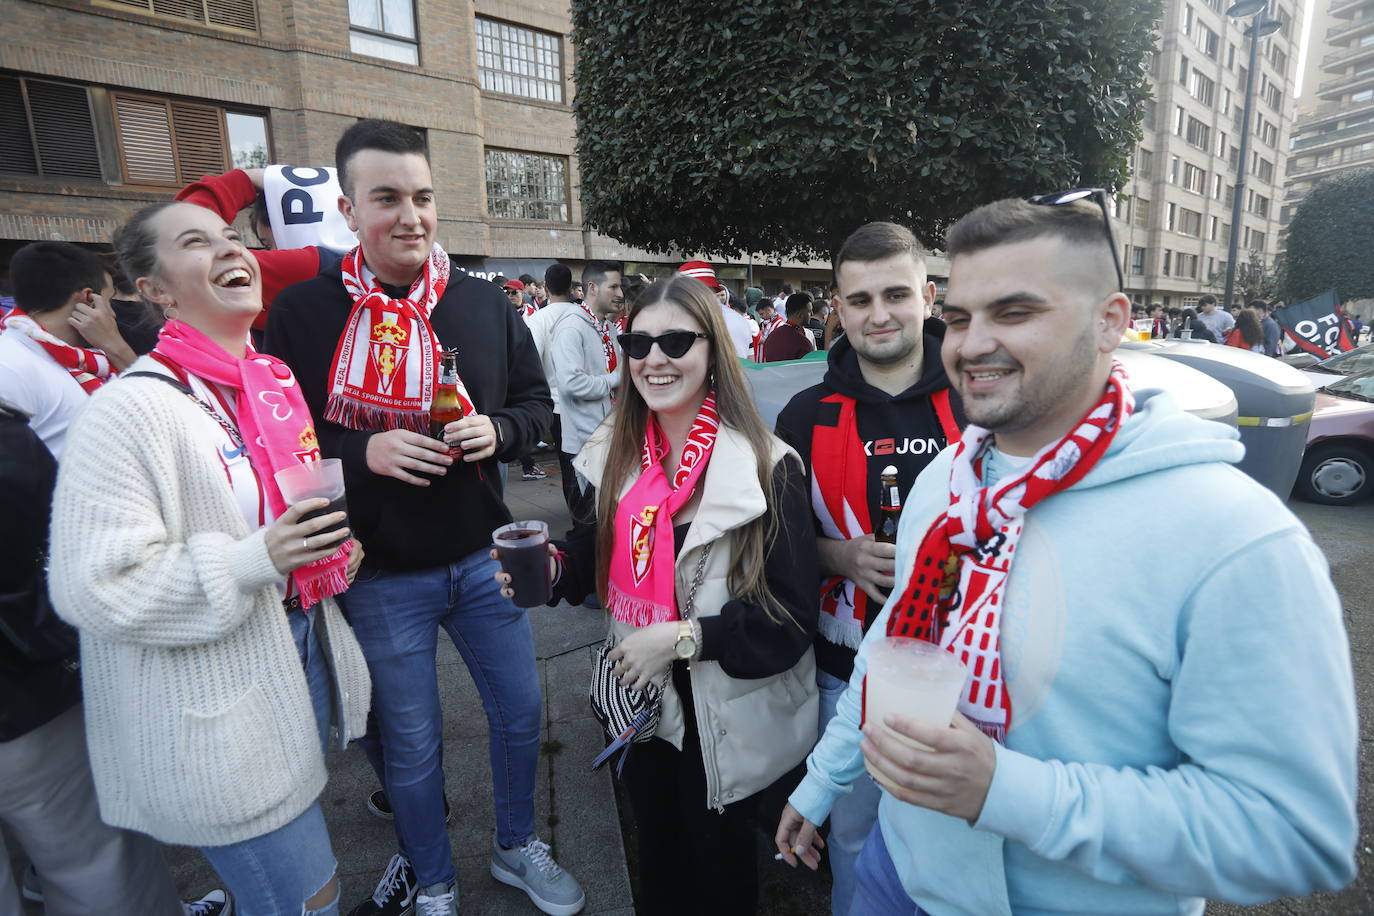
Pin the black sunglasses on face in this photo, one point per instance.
(674, 344)
(1099, 196)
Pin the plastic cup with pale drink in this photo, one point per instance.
(911, 678)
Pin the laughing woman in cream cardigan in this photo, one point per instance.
(214, 658)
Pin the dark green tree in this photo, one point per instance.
(1331, 239)
(778, 126)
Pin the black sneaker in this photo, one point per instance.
(395, 893)
(215, 903)
(380, 805)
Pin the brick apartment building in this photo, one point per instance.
(107, 105)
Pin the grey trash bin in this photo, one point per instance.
(1275, 405)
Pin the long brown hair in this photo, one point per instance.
(1251, 331)
(736, 407)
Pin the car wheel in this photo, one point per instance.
(1335, 475)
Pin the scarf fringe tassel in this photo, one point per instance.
(317, 585)
(846, 633)
(637, 612)
(353, 414)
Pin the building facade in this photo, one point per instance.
(1173, 218)
(108, 105)
(1334, 130)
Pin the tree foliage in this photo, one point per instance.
(1331, 239)
(778, 126)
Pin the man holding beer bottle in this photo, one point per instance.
(881, 414)
(364, 339)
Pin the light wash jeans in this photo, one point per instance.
(879, 890)
(853, 815)
(396, 617)
(274, 874)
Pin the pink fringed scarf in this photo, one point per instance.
(276, 426)
(642, 583)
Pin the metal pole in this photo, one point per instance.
(1233, 250)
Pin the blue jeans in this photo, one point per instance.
(853, 815)
(396, 617)
(274, 874)
(878, 888)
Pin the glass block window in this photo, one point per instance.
(527, 186)
(519, 61)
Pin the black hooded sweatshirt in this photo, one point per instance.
(401, 526)
(901, 430)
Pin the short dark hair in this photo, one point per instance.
(1011, 220)
(1208, 299)
(797, 304)
(786, 289)
(595, 271)
(877, 242)
(47, 274)
(371, 133)
(766, 304)
(1257, 304)
(500, 280)
(558, 279)
(527, 279)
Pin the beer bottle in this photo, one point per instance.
(446, 407)
(890, 510)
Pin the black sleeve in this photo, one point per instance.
(795, 426)
(29, 628)
(295, 336)
(578, 553)
(528, 412)
(743, 638)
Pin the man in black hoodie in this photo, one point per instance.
(425, 509)
(885, 402)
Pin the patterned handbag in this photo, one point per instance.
(630, 715)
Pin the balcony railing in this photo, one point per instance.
(1346, 83)
(1338, 7)
(1346, 55)
(1350, 158)
(1328, 111)
(1332, 136)
(1349, 29)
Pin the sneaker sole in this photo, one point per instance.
(31, 895)
(384, 815)
(506, 876)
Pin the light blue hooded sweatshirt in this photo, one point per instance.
(1183, 712)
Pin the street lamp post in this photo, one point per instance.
(1261, 26)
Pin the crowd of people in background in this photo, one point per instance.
(182, 641)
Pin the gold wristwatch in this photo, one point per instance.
(686, 646)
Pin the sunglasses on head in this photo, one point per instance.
(1099, 196)
(674, 344)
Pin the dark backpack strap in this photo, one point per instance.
(175, 383)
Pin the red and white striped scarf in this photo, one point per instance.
(642, 586)
(387, 359)
(604, 329)
(91, 368)
(765, 329)
(954, 595)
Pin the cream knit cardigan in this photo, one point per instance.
(198, 716)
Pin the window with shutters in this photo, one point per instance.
(236, 15)
(170, 143)
(527, 186)
(46, 129)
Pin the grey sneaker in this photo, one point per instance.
(436, 900)
(533, 870)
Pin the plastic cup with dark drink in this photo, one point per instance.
(315, 480)
(523, 551)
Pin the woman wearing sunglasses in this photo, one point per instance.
(685, 463)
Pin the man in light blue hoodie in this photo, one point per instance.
(1163, 739)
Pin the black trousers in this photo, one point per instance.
(692, 860)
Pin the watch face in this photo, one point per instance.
(685, 647)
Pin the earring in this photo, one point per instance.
(170, 313)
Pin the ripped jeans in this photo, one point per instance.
(273, 874)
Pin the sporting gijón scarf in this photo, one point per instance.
(642, 587)
(604, 329)
(91, 368)
(840, 500)
(387, 359)
(954, 596)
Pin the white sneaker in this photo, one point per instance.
(436, 900)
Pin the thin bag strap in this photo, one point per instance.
(229, 429)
